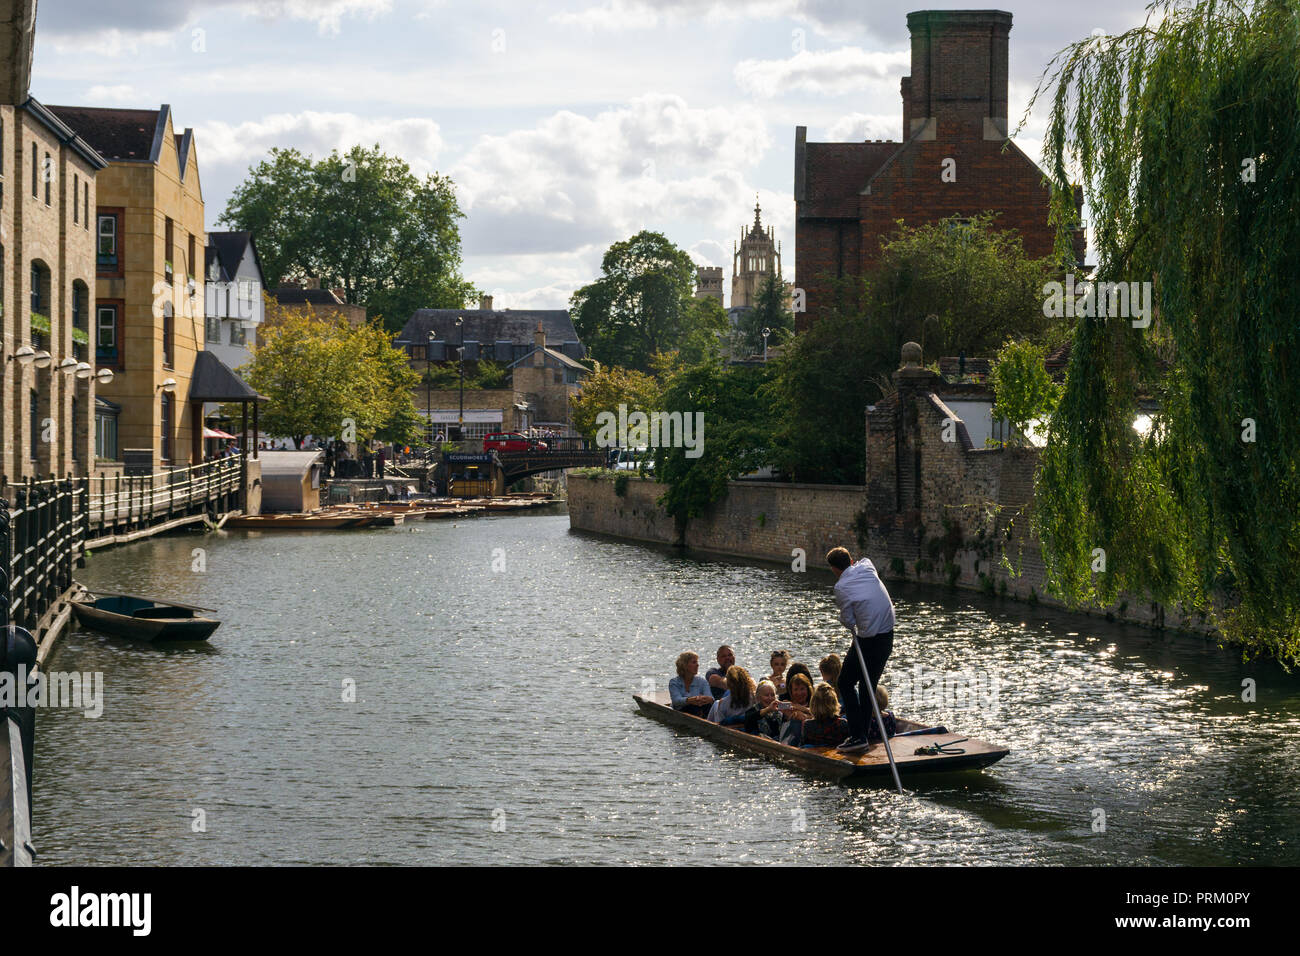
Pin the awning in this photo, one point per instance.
(213, 381)
(217, 433)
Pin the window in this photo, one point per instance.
(169, 248)
(76, 198)
(246, 290)
(190, 268)
(76, 455)
(108, 243)
(36, 172)
(166, 426)
(34, 413)
(85, 201)
(213, 330)
(418, 353)
(38, 302)
(49, 177)
(107, 350)
(79, 296)
(168, 338)
(106, 435)
(238, 334)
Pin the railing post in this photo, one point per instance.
(6, 561)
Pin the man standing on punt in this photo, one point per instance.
(868, 613)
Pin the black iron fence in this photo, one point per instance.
(46, 526)
(42, 536)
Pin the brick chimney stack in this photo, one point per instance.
(485, 303)
(959, 71)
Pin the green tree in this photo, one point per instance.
(736, 434)
(1185, 133)
(769, 312)
(955, 286)
(819, 391)
(605, 389)
(320, 372)
(360, 221)
(641, 305)
(1023, 391)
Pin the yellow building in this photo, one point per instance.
(149, 304)
(47, 267)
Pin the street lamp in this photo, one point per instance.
(84, 370)
(104, 375)
(428, 384)
(460, 422)
(42, 359)
(766, 333)
(68, 366)
(24, 356)
(168, 385)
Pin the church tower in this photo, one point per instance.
(757, 257)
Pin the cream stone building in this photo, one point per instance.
(149, 304)
(47, 252)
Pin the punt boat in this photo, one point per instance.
(308, 522)
(143, 619)
(872, 766)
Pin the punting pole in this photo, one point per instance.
(875, 709)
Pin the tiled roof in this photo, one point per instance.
(517, 326)
(228, 247)
(289, 296)
(116, 134)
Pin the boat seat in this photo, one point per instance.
(162, 612)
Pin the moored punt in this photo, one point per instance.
(307, 522)
(827, 761)
(143, 619)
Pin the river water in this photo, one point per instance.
(494, 660)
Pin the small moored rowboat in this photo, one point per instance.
(143, 619)
(827, 761)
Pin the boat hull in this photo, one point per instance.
(826, 762)
(150, 629)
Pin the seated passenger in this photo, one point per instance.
(795, 668)
(690, 691)
(886, 716)
(764, 717)
(717, 676)
(830, 667)
(780, 661)
(740, 695)
(826, 728)
(801, 693)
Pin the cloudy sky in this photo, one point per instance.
(565, 125)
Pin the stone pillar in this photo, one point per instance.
(913, 383)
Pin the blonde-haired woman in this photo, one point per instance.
(689, 691)
(826, 728)
(731, 708)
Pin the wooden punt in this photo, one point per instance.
(872, 766)
(143, 619)
(307, 522)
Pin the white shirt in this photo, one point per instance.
(865, 607)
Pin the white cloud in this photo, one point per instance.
(614, 15)
(115, 29)
(122, 93)
(575, 180)
(826, 72)
(856, 127)
(418, 141)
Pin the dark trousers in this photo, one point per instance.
(857, 709)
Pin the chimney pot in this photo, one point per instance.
(485, 303)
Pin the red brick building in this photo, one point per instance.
(951, 161)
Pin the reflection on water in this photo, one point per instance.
(504, 698)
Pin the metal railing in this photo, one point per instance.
(41, 538)
(46, 526)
